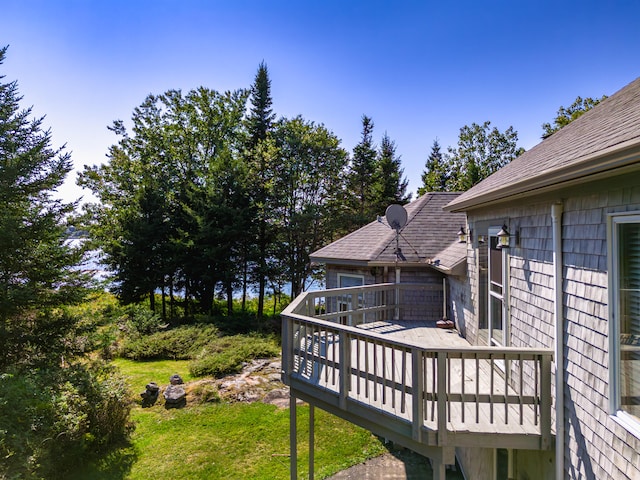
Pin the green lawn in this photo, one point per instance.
(225, 441)
(139, 373)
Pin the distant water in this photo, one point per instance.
(92, 264)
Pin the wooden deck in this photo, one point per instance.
(416, 385)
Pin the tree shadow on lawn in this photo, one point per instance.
(113, 465)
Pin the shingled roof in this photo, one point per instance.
(428, 232)
(603, 141)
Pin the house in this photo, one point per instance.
(570, 278)
(427, 246)
(546, 381)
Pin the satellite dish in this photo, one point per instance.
(396, 217)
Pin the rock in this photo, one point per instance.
(153, 387)
(150, 395)
(175, 379)
(174, 396)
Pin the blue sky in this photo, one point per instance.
(420, 69)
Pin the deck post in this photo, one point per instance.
(345, 368)
(418, 393)
(545, 403)
(442, 398)
(439, 467)
(293, 438)
(287, 347)
(312, 413)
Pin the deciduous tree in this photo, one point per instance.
(308, 180)
(481, 151)
(565, 116)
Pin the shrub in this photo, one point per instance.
(180, 343)
(226, 355)
(142, 320)
(52, 420)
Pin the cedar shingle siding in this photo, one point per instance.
(591, 167)
(596, 445)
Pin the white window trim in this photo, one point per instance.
(504, 297)
(349, 275)
(629, 422)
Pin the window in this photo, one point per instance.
(493, 289)
(496, 291)
(624, 267)
(350, 301)
(346, 280)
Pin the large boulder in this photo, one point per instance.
(174, 396)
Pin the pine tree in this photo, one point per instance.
(361, 177)
(436, 172)
(260, 123)
(389, 186)
(36, 274)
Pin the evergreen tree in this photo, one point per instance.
(389, 187)
(260, 123)
(361, 177)
(36, 262)
(435, 176)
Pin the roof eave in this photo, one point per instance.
(609, 162)
(457, 270)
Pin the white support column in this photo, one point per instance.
(312, 413)
(293, 438)
(439, 468)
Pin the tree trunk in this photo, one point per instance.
(164, 300)
(229, 298)
(244, 284)
(152, 301)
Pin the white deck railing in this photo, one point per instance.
(448, 394)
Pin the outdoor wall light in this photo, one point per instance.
(504, 237)
(462, 235)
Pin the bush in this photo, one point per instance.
(226, 355)
(180, 343)
(142, 320)
(52, 420)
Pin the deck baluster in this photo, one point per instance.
(375, 371)
(434, 375)
(463, 361)
(506, 390)
(491, 388)
(477, 399)
(384, 374)
(403, 397)
(418, 393)
(442, 403)
(521, 389)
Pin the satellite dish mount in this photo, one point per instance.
(397, 219)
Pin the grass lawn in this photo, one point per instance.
(139, 373)
(225, 441)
